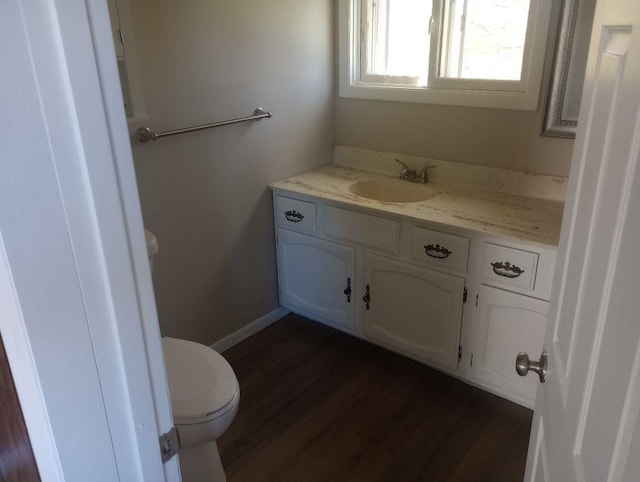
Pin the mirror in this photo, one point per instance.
(568, 68)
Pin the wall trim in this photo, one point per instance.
(249, 330)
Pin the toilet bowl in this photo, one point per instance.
(204, 399)
(204, 394)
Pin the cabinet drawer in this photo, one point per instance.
(510, 267)
(295, 214)
(363, 229)
(439, 249)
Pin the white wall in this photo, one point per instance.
(205, 194)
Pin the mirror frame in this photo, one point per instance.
(555, 124)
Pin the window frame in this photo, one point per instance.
(364, 57)
(518, 95)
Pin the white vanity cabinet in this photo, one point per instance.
(459, 301)
(351, 270)
(413, 310)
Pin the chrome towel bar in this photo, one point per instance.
(144, 134)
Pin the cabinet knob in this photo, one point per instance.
(524, 365)
(367, 297)
(347, 290)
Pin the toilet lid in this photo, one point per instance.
(201, 381)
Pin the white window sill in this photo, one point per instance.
(468, 98)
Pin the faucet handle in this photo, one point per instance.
(405, 169)
(424, 173)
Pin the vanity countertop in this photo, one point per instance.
(483, 211)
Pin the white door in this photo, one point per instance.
(76, 306)
(586, 425)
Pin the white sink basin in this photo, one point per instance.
(392, 190)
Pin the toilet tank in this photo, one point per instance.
(152, 246)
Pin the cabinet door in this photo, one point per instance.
(313, 277)
(507, 324)
(413, 310)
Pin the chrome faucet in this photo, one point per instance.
(413, 176)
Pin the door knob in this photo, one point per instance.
(524, 365)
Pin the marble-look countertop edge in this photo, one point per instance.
(516, 218)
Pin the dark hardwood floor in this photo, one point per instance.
(319, 405)
(17, 463)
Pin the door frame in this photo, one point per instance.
(72, 61)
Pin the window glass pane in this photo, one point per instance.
(486, 39)
(398, 37)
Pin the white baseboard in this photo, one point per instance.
(250, 329)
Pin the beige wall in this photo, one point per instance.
(506, 139)
(205, 194)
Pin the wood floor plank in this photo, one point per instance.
(17, 462)
(319, 405)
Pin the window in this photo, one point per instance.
(485, 53)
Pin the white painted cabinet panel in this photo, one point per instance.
(518, 267)
(508, 323)
(513, 268)
(295, 214)
(313, 277)
(442, 250)
(413, 310)
(366, 230)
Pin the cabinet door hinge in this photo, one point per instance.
(464, 295)
(471, 360)
(169, 444)
(477, 299)
(459, 354)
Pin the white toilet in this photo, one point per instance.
(204, 400)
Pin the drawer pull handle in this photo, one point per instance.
(507, 269)
(347, 290)
(367, 297)
(437, 251)
(293, 216)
